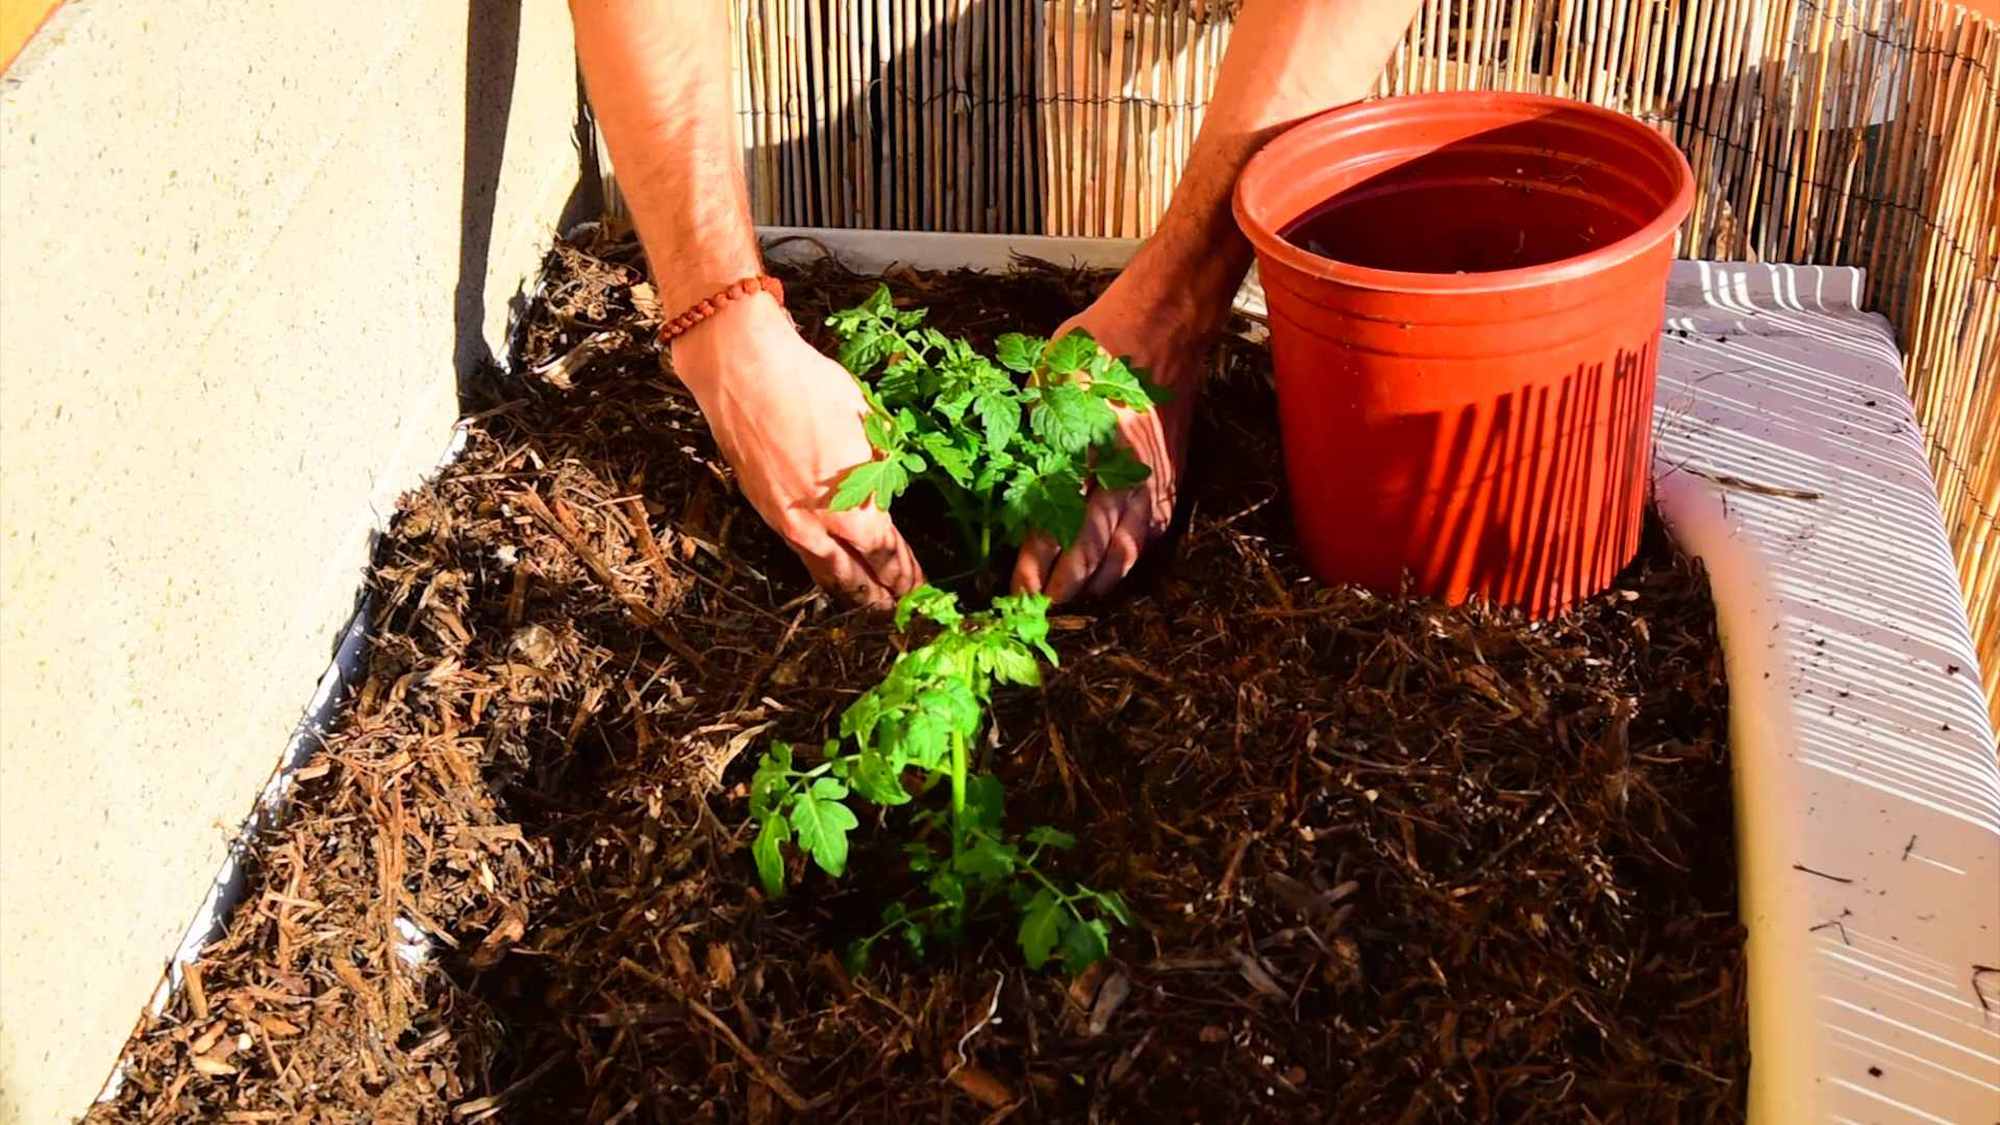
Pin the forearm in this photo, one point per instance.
(659, 82)
(1287, 60)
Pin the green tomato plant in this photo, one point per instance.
(923, 721)
(1009, 442)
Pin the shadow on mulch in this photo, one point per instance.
(1390, 861)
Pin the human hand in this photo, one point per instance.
(1170, 339)
(788, 419)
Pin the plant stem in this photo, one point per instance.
(958, 770)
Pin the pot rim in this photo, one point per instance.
(1270, 245)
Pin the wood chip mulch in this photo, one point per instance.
(1391, 862)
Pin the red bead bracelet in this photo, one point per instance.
(702, 310)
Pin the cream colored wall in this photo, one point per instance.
(241, 255)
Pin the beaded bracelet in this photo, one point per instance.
(702, 310)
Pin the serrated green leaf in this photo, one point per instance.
(954, 459)
(1071, 419)
(954, 405)
(985, 801)
(1051, 502)
(768, 850)
(1084, 944)
(1116, 468)
(861, 352)
(1113, 904)
(1111, 379)
(822, 823)
(1017, 352)
(1010, 663)
(1026, 616)
(858, 721)
(928, 601)
(880, 481)
(999, 417)
(987, 860)
(947, 887)
(955, 704)
(1070, 354)
(879, 303)
(1048, 837)
(924, 739)
(921, 857)
(876, 778)
(882, 432)
(772, 779)
(902, 381)
(1041, 927)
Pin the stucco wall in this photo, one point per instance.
(243, 249)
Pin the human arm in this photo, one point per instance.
(1287, 60)
(787, 418)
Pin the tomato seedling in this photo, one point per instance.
(925, 718)
(1009, 442)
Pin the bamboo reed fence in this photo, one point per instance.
(1853, 132)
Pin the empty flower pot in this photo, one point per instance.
(1465, 294)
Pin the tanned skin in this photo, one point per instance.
(789, 419)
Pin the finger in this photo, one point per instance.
(1077, 563)
(873, 537)
(1031, 567)
(840, 571)
(1128, 541)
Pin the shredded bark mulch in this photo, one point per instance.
(1389, 861)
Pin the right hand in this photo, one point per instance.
(789, 421)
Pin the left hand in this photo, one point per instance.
(1172, 344)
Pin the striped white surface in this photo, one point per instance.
(1862, 743)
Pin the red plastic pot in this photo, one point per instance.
(1466, 293)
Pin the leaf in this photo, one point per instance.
(768, 850)
(1111, 379)
(1041, 928)
(902, 381)
(924, 739)
(945, 886)
(880, 481)
(1084, 944)
(1027, 617)
(954, 702)
(1070, 354)
(1071, 419)
(1043, 835)
(858, 721)
(856, 961)
(877, 779)
(1010, 663)
(1017, 352)
(1052, 502)
(772, 779)
(1116, 468)
(866, 348)
(953, 459)
(822, 824)
(928, 601)
(1113, 904)
(879, 302)
(985, 801)
(999, 417)
(987, 860)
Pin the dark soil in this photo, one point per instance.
(1390, 861)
